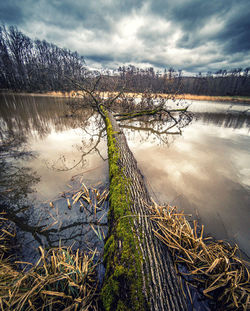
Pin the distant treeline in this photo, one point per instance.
(28, 65)
(39, 66)
(220, 83)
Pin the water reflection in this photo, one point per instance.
(203, 167)
(58, 224)
(233, 120)
(204, 171)
(16, 181)
(30, 115)
(59, 142)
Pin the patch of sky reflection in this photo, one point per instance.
(58, 143)
(204, 171)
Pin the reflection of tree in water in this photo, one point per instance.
(29, 115)
(228, 120)
(34, 115)
(16, 182)
(158, 129)
(93, 133)
(37, 223)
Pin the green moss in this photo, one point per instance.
(121, 306)
(123, 284)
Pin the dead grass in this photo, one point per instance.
(60, 280)
(76, 94)
(213, 98)
(7, 233)
(213, 265)
(90, 199)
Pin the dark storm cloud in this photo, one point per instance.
(100, 58)
(10, 12)
(74, 14)
(193, 35)
(190, 14)
(236, 34)
(93, 14)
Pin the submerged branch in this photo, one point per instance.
(151, 130)
(140, 113)
(149, 112)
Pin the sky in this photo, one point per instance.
(191, 35)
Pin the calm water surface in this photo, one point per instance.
(205, 170)
(57, 143)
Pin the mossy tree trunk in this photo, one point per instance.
(139, 271)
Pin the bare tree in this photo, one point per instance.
(27, 65)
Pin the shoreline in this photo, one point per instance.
(214, 98)
(72, 94)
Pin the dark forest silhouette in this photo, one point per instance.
(28, 65)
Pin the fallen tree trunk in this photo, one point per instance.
(139, 270)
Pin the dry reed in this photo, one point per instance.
(211, 265)
(92, 201)
(60, 280)
(92, 198)
(7, 233)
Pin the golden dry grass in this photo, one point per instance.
(214, 265)
(60, 280)
(212, 98)
(92, 197)
(7, 234)
(76, 94)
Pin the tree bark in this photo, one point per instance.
(140, 274)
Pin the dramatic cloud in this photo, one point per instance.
(193, 35)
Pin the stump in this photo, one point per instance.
(140, 274)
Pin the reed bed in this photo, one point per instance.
(60, 280)
(90, 200)
(213, 266)
(7, 233)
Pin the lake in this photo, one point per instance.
(204, 170)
